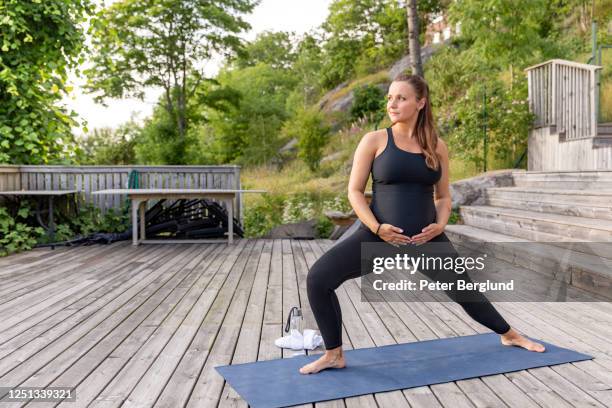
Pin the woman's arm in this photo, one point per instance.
(442, 197)
(360, 172)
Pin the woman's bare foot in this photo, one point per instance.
(333, 358)
(513, 338)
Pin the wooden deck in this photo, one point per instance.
(144, 326)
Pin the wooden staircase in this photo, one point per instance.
(555, 211)
(604, 135)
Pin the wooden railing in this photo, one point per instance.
(563, 94)
(93, 178)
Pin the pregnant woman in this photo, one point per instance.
(409, 162)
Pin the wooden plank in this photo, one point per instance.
(95, 351)
(580, 105)
(111, 200)
(64, 351)
(273, 313)
(40, 267)
(593, 107)
(78, 306)
(27, 257)
(24, 292)
(14, 265)
(570, 99)
(156, 338)
(250, 331)
(57, 322)
(209, 386)
(186, 241)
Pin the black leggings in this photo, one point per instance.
(343, 261)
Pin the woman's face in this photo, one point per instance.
(402, 104)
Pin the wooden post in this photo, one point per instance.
(135, 222)
(230, 216)
(592, 91)
(142, 206)
(553, 104)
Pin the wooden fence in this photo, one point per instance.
(93, 178)
(566, 135)
(564, 94)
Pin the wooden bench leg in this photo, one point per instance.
(142, 206)
(135, 222)
(230, 221)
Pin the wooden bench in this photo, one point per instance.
(140, 196)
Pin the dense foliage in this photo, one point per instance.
(39, 42)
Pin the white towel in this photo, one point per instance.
(311, 339)
(296, 341)
(293, 340)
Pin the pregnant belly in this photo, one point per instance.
(410, 212)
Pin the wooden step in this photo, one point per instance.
(579, 203)
(537, 226)
(602, 140)
(575, 180)
(604, 128)
(589, 272)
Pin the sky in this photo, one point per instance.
(298, 16)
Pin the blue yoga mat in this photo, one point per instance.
(278, 383)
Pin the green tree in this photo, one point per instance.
(274, 48)
(109, 146)
(40, 41)
(164, 43)
(249, 132)
(309, 128)
(505, 33)
(507, 120)
(157, 143)
(361, 36)
(307, 70)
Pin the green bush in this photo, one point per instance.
(309, 128)
(369, 103)
(324, 227)
(15, 234)
(298, 208)
(455, 217)
(506, 116)
(263, 215)
(90, 219)
(276, 209)
(339, 203)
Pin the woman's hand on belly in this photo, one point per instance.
(427, 233)
(393, 235)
